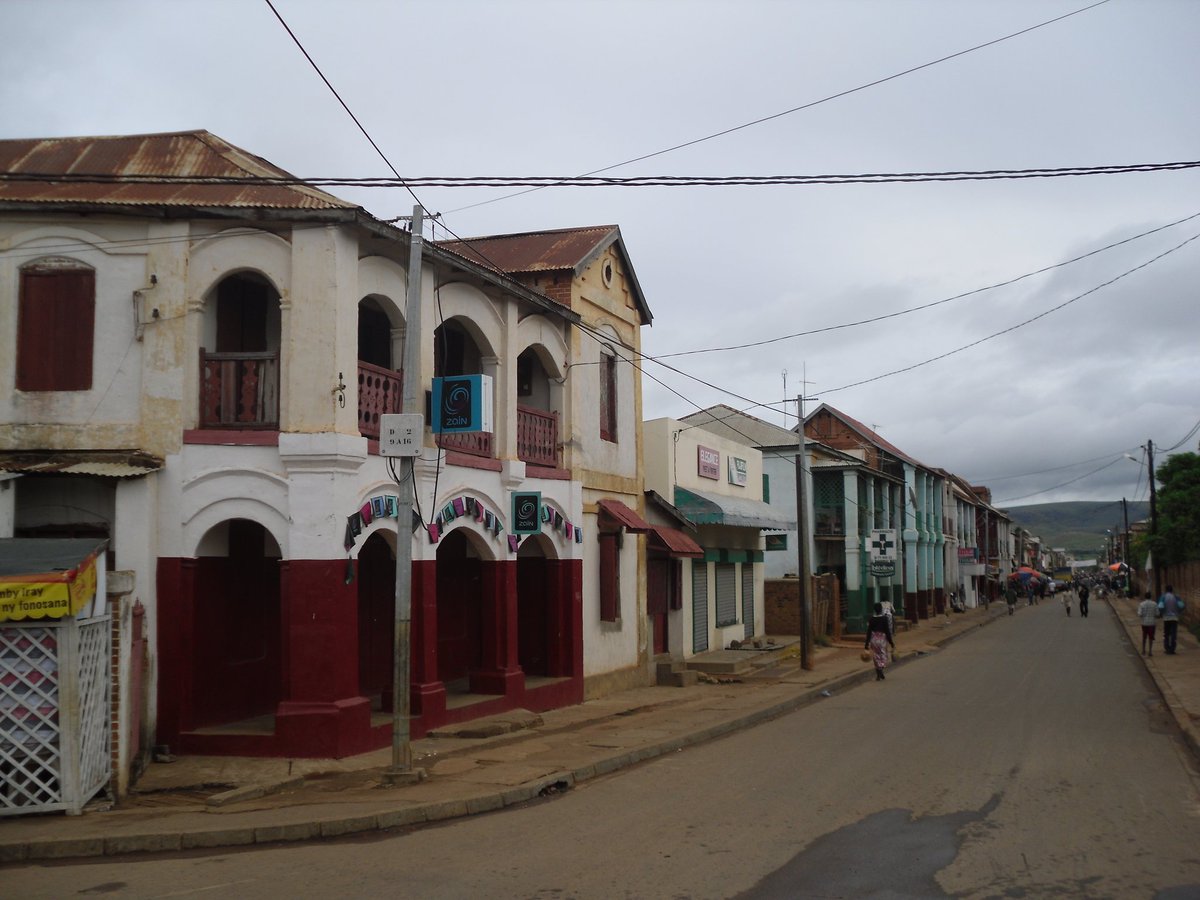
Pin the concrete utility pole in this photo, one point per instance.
(401, 770)
(805, 567)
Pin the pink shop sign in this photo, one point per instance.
(708, 463)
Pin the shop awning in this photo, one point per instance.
(717, 509)
(624, 516)
(109, 463)
(47, 577)
(675, 542)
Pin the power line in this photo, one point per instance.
(912, 309)
(333, 91)
(1064, 484)
(1012, 328)
(584, 181)
(804, 106)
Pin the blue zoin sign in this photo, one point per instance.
(462, 403)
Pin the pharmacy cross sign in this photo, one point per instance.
(883, 544)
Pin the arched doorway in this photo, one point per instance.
(236, 658)
(459, 610)
(376, 615)
(535, 598)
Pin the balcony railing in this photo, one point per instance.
(380, 392)
(239, 390)
(472, 443)
(537, 436)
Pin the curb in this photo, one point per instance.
(1179, 713)
(421, 813)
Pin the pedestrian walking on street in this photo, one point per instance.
(1067, 602)
(1010, 597)
(879, 639)
(1170, 607)
(1083, 600)
(1148, 613)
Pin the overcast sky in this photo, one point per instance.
(517, 87)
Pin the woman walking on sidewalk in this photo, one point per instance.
(879, 638)
(1148, 613)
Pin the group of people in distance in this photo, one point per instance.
(879, 645)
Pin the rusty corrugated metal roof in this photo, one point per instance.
(107, 463)
(557, 250)
(535, 251)
(187, 154)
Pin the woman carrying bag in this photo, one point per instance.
(879, 639)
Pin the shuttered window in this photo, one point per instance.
(699, 606)
(610, 577)
(56, 328)
(608, 397)
(726, 594)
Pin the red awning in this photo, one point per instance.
(675, 542)
(625, 516)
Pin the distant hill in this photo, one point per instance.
(1079, 526)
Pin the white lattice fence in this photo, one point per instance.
(54, 708)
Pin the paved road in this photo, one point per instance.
(1030, 758)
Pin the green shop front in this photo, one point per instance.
(724, 601)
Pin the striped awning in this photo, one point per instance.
(718, 509)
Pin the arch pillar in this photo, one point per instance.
(499, 672)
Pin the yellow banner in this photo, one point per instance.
(48, 596)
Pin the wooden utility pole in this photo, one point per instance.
(1154, 554)
(805, 564)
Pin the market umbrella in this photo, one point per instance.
(1024, 573)
(1117, 567)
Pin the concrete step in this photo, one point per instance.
(673, 673)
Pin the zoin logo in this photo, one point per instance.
(456, 404)
(527, 511)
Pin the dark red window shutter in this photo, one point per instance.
(676, 584)
(657, 585)
(608, 397)
(56, 329)
(610, 578)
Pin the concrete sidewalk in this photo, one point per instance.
(488, 764)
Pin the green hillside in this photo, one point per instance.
(1079, 526)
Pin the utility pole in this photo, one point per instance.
(1154, 554)
(401, 770)
(805, 567)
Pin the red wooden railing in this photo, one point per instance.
(239, 390)
(473, 443)
(537, 436)
(380, 392)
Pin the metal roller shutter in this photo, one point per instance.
(699, 607)
(726, 594)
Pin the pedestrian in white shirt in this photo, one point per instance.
(1148, 612)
